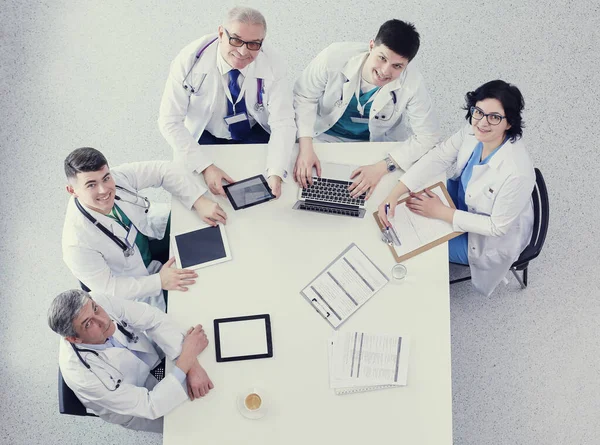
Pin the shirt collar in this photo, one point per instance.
(224, 67)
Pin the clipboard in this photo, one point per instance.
(425, 247)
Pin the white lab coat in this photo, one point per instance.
(184, 115)
(336, 72)
(98, 262)
(498, 196)
(139, 399)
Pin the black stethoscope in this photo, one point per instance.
(115, 383)
(258, 106)
(127, 251)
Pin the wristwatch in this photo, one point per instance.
(391, 165)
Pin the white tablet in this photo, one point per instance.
(201, 247)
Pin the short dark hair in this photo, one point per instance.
(401, 37)
(84, 159)
(511, 99)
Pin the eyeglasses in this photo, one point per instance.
(492, 118)
(238, 43)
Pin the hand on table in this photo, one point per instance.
(210, 212)
(172, 278)
(274, 182)
(194, 343)
(213, 176)
(385, 219)
(198, 382)
(430, 205)
(307, 159)
(366, 179)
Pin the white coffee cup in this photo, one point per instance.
(252, 403)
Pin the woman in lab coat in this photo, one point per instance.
(491, 186)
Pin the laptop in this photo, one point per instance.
(329, 193)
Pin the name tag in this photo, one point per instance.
(360, 120)
(131, 235)
(235, 118)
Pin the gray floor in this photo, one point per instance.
(525, 363)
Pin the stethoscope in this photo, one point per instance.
(340, 102)
(127, 251)
(258, 106)
(115, 383)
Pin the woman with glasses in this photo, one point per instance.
(491, 185)
(229, 88)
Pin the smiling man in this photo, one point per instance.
(353, 93)
(114, 240)
(229, 88)
(109, 359)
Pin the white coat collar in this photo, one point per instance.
(352, 72)
(106, 221)
(501, 155)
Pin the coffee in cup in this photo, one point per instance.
(253, 401)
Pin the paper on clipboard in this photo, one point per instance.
(344, 286)
(418, 233)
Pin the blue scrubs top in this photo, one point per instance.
(344, 127)
(458, 247)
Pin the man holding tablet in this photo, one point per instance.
(229, 88)
(114, 240)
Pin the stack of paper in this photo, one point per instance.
(364, 362)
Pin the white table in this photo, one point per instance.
(276, 252)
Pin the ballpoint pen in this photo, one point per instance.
(387, 227)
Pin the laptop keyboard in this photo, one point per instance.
(332, 190)
(330, 210)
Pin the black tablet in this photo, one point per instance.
(248, 192)
(243, 338)
(201, 247)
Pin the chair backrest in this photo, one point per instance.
(541, 217)
(68, 403)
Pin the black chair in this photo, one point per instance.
(541, 217)
(68, 403)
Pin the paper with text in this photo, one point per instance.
(344, 286)
(415, 230)
(360, 361)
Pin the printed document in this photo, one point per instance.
(361, 362)
(344, 286)
(415, 230)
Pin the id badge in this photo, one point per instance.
(235, 118)
(131, 235)
(360, 120)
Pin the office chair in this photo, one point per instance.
(68, 403)
(541, 217)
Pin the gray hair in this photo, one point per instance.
(249, 16)
(64, 309)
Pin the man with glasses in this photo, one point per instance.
(229, 88)
(354, 92)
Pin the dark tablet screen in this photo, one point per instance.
(200, 246)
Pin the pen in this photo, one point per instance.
(387, 208)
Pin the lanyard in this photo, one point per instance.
(228, 93)
(359, 107)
